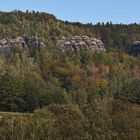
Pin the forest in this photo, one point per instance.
(47, 94)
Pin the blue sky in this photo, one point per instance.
(85, 11)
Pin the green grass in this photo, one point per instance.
(13, 114)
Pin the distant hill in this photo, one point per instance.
(78, 81)
(48, 28)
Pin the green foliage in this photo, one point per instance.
(55, 94)
(55, 122)
(77, 88)
(126, 120)
(100, 125)
(131, 92)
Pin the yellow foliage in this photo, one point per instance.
(102, 83)
(62, 70)
(76, 78)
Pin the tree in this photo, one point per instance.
(54, 94)
(70, 122)
(10, 89)
(100, 125)
(131, 92)
(34, 88)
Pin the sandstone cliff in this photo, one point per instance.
(77, 43)
(74, 44)
(22, 43)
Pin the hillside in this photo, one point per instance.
(78, 81)
(48, 28)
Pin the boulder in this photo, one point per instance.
(134, 48)
(78, 38)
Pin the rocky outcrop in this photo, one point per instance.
(75, 44)
(78, 43)
(135, 49)
(22, 43)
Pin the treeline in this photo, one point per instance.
(48, 28)
(75, 96)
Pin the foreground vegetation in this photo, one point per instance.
(68, 96)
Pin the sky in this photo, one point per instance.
(85, 11)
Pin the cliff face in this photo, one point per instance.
(22, 43)
(77, 43)
(74, 44)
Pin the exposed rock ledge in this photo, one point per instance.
(23, 43)
(77, 43)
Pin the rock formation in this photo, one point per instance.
(77, 43)
(22, 43)
(135, 48)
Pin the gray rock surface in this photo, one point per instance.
(20, 42)
(77, 43)
(135, 48)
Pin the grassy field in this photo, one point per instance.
(13, 114)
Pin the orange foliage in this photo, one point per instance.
(136, 70)
(120, 69)
(105, 69)
(95, 69)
